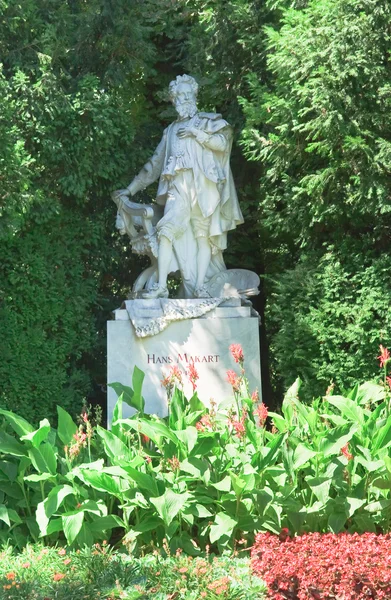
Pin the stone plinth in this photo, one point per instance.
(205, 340)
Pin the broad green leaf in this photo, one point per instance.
(169, 505)
(224, 485)
(198, 510)
(71, 525)
(123, 391)
(279, 421)
(152, 429)
(107, 522)
(117, 416)
(302, 455)
(143, 480)
(288, 402)
(66, 427)
(149, 523)
(188, 437)
(378, 505)
(43, 458)
(336, 521)
(238, 484)
(337, 438)
(18, 424)
(348, 408)
(354, 504)
(370, 393)
(320, 486)
(39, 435)
(9, 445)
(102, 482)
(4, 515)
(222, 527)
(115, 449)
(41, 477)
(382, 438)
(48, 507)
(138, 401)
(273, 448)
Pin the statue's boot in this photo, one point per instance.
(156, 291)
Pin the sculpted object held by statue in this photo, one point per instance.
(185, 232)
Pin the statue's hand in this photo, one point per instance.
(185, 132)
(124, 192)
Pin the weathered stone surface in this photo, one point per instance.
(205, 340)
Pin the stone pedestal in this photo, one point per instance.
(205, 340)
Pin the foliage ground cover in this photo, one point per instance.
(324, 567)
(99, 573)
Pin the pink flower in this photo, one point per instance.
(58, 576)
(67, 561)
(233, 379)
(384, 356)
(255, 396)
(262, 413)
(237, 353)
(204, 423)
(62, 552)
(346, 453)
(193, 375)
(26, 565)
(85, 417)
(174, 376)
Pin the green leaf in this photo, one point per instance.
(4, 515)
(66, 427)
(336, 521)
(9, 445)
(222, 527)
(18, 424)
(382, 438)
(138, 401)
(102, 482)
(224, 485)
(188, 437)
(155, 430)
(302, 455)
(117, 416)
(106, 522)
(336, 439)
(378, 505)
(348, 408)
(143, 480)
(115, 449)
(39, 435)
(169, 505)
(123, 391)
(43, 458)
(35, 478)
(320, 486)
(71, 525)
(50, 505)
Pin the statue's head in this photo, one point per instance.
(183, 94)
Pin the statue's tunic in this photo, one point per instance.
(196, 184)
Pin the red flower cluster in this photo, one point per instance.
(384, 356)
(234, 380)
(237, 353)
(324, 567)
(262, 413)
(193, 375)
(345, 451)
(204, 423)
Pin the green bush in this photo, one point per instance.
(200, 478)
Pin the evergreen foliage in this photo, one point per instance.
(306, 86)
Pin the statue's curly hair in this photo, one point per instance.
(182, 79)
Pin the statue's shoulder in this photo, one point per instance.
(212, 116)
(212, 122)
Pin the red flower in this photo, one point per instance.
(384, 356)
(255, 396)
(174, 375)
(346, 453)
(58, 576)
(233, 379)
(193, 375)
(85, 417)
(237, 353)
(10, 576)
(262, 413)
(204, 423)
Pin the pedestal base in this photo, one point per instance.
(204, 340)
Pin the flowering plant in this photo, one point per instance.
(324, 567)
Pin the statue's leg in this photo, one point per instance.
(164, 259)
(204, 256)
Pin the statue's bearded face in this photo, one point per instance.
(185, 100)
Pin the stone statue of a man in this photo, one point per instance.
(195, 187)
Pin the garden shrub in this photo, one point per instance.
(324, 567)
(200, 477)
